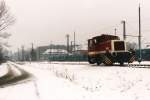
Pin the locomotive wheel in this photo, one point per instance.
(90, 60)
(98, 63)
(121, 63)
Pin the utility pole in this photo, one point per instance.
(71, 46)
(22, 53)
(115, 31)
(50, 50)
(124, 29)
(67, 36)
(39, 53)
(18, 55)
(74, 42)
(33, 54)
(140, 55)
(32, 45)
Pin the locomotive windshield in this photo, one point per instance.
(119, 45)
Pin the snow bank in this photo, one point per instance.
(80, 81)
(106, 83)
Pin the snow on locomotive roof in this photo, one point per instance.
(106, 36)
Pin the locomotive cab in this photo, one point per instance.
(119, 53)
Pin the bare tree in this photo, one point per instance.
(5, 17)
(6, 20)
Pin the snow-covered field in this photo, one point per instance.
(80, 81)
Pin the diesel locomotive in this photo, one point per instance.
(109, 49)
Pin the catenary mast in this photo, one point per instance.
(140, 55)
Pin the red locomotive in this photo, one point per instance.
(108, 49)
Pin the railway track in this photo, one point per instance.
(139, 65)
(125, 65)
(94, 65)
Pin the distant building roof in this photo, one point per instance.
(55, 51)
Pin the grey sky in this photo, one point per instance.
(42, 21)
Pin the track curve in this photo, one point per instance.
(12, 77)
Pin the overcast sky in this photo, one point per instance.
(43, 21)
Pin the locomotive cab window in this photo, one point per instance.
(95, 41)
(119, 45)
(90, 43)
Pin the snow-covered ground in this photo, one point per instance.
(3, 70)
(80, 81)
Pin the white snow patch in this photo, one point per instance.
(3, 70)
(62, 81)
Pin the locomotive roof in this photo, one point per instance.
(106, 36)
